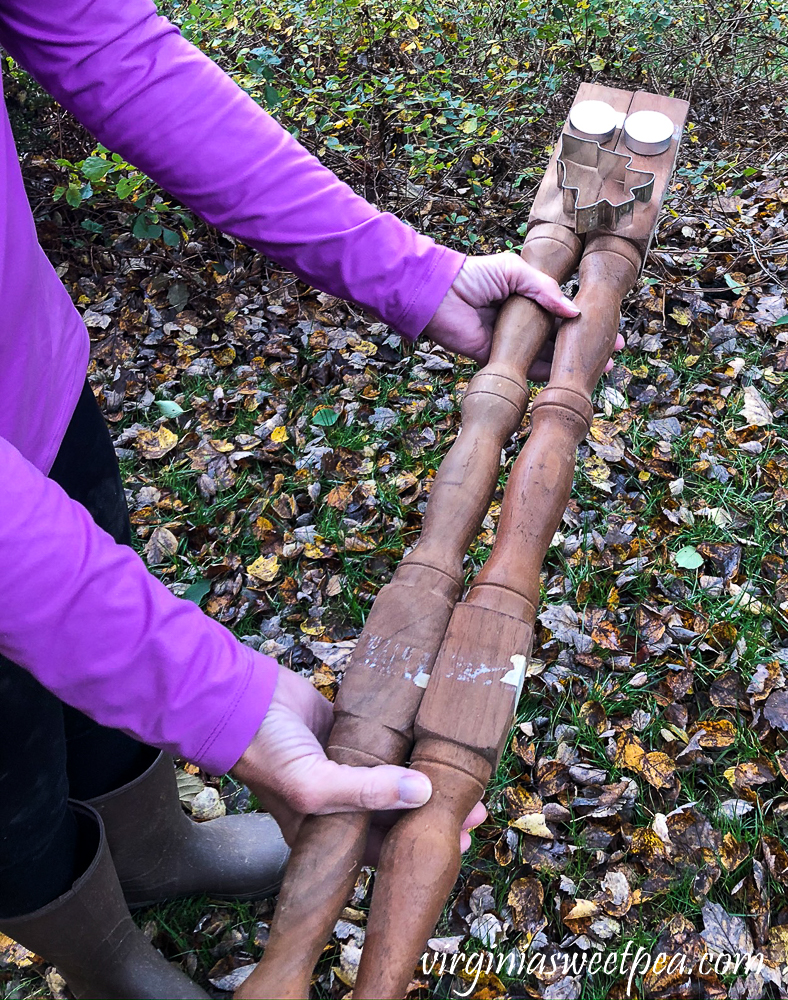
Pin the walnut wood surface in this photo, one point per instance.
(382, 688)
(467, 710)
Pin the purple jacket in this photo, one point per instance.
(78, 611)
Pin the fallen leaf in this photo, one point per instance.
(717, 733)
(279, 435)
(526, 896)
(775, 709)
(161, 547)
(733, 853)
(755, 411)
(689, 558)
(616, 899)
(156, 444)
(724, 933)
(533, 824)
(658, 769)
(265, 569)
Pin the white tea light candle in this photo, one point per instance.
(648, 132)
(595, 120)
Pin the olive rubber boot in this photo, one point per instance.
(160, 853)
(88, 934)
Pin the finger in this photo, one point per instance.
(609, 366)
(465, 841)
(543, 289)
(620, 343)
(475, 817)
(326, 787)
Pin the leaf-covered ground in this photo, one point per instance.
(278, 450)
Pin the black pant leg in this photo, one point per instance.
(49, 751)
(38, 833)
(98, 759)
(87, 469)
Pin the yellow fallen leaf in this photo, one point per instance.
(156, 444)
(15, 955)
(718, 733)
(533, 824)
(682, 315)
(279, 435)
(582, 910)
(658, 769)
(265, 569)
(629, 751)
(223, 356)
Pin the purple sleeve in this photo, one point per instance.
(150, 95)
(87, 619)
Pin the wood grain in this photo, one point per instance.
(417, 635)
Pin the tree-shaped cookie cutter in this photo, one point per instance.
(600, 187)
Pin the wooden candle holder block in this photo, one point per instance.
(549, 205)
(462, 722)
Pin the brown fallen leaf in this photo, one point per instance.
(717, 733)
(775, 709)
(647, 845)
(616, 897)
(727, 691)
(733, 852)
(776, 858)
(526, 897)
(160, 547)
(339, 497)
(748, 773)
(767, 678)
(520, 801)
(578, 916)
(725, 933)
(552, 777)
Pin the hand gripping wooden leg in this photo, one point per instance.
(467, 710)
(384, 682)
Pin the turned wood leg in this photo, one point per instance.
(418, 867)
(385, 681)
(467, 710)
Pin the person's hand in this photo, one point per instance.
(464, 320)
(286, 768)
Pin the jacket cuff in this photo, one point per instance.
(249, 705)
(429, 292)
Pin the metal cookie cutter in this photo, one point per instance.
(600, 187)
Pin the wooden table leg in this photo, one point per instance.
(466, 713)
(384, 683)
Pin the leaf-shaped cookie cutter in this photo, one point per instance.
(586, 170)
